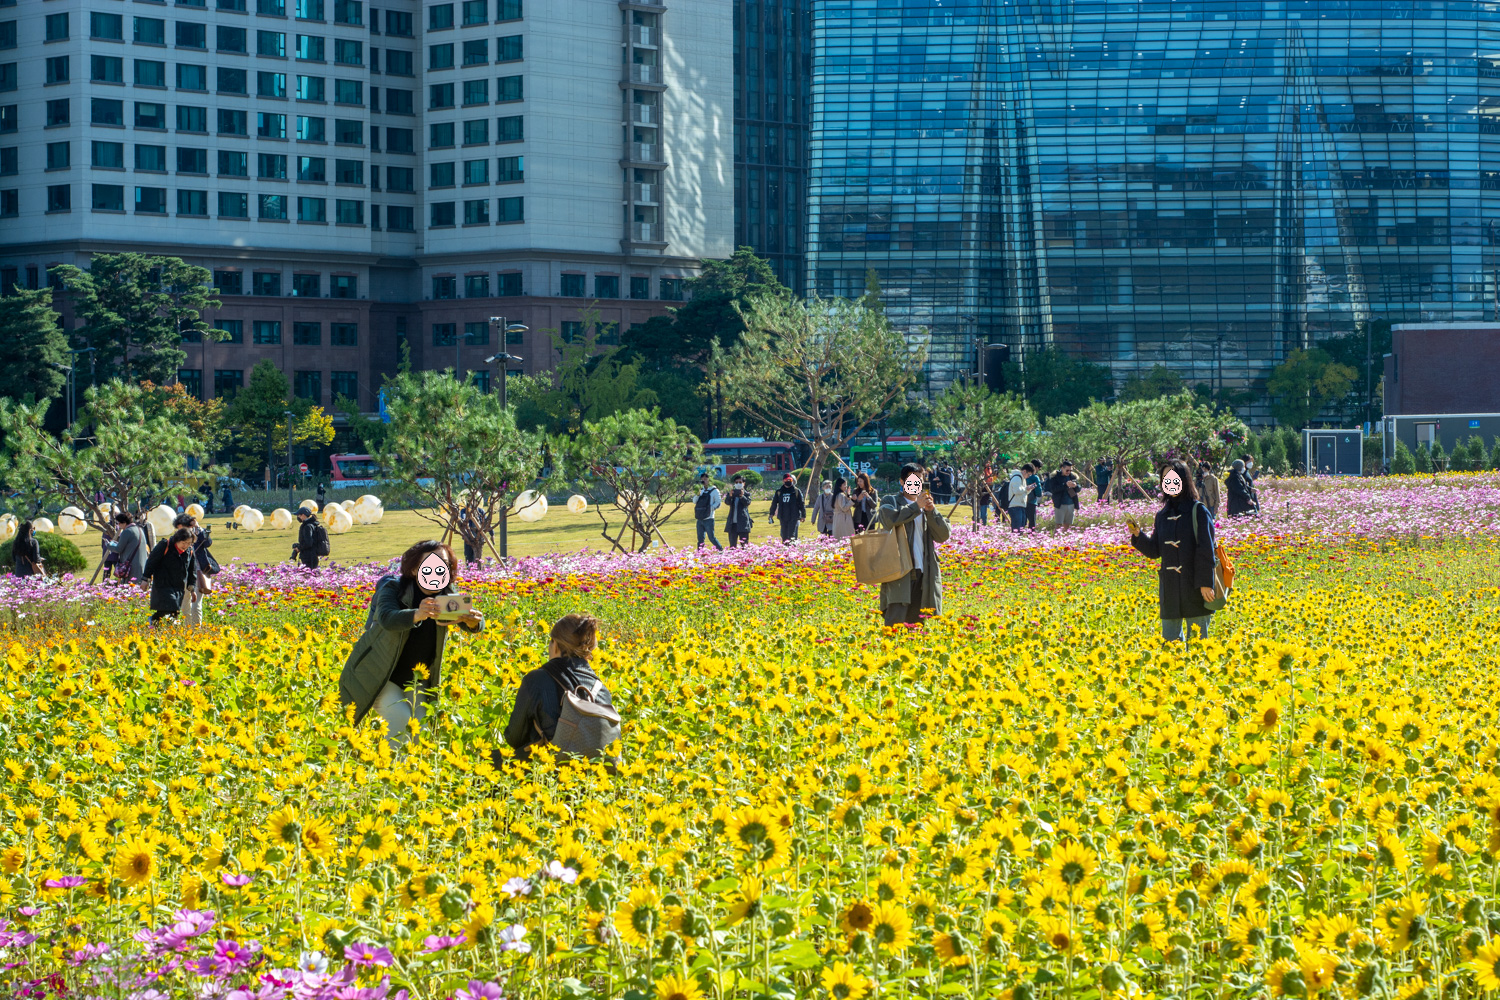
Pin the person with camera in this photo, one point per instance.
(200, 581)
(170, 569)
(394, 668)
(737, 522)
(1063, 485)
(312, 539)
(914, 517)
(708, 501)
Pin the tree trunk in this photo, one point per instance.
(820, 455)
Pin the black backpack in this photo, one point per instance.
(703, 507)
(320, 538)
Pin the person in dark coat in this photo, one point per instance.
(865, 502)
(538, 706)
(129, 549)
(170, 568)
(1186, 577)
(1063, 486)
(228, 499)
(737, 522)
(1242, 501)
(311, 538)
(1102, 473)
(26, 552)
(204, 567)
(404, 640)
(788, 506)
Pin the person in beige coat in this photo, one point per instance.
(843, 510)
(1208, 488)
(914, 517)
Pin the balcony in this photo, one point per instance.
(645, 114)
(646, 74)
(656, 5)
(640, 34)
(644, 152)
(645, 194)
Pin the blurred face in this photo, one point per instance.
(1171, 483)
(432, 574)
(912, 484)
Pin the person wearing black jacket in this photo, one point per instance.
(312, 539)
(1242, 499)
(538, 706)
(737, 522)
(1063, 485)
(788, 506)
(26, 552)
(204, 567)
(1186, 577)
(170, 568)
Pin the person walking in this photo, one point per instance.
(704, 506)
(1018, 498)
(228, 498)
(865, 502)
(200, 581)
(1033, 473)
(914, 517)
(945, 481)
(312, 539)
(170, 569)
(843, 509)
(737, 523)
(788, 507)
(1185, 579)
(1103, 471)
(26, 552)
(569, 667)
(1242, 501)
(822, 509)
(1208, 488)
(208, 499)
(395, 667)
(1064, 489)
(322, 495)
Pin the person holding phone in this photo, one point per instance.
(1185, 579)
(913, 515)
(395, 666)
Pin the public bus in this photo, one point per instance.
(354, 471)
(899, 449)
(730, 455)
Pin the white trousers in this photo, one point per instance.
(398, 707)
(192, 606)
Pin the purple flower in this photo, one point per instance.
(363, 955)
(88, 953)
(433, 943)
(66, 882)
(479, 991)
(234, 881)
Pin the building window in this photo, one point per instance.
(228, 39)
(59, 155)
(399, 62)
(150, 73)
(476, 12)
(151, 158)
(233, 328)
(311, 88)
(572, 286)
(312, 129)
(349, 12)
(227, 382)
(348, 92)
(150, 31)
(507, 88)
(671, 289)
(399, 140)
(9, 79)
(272, 8)
(192, 203)
(106, 69)
(10, 118)
(229, 282)
(109, 198)
(398, 23)
(571, 330)
(192, 119)
(509, 129)
(476, 171)
(348, 52)
(400, 179)
(606, 286)
(150, 201)
(57, 27)
(10, 204)
(312, 168)
(510, 210)
(344, 385)
(343, 334)
(509, 283)
(267, 331)
(270, 126)
(440, 56)
(348, 212)
(192, 35)
(481, 379)
(308, 385)
(477, 133)
(191, 379)
(191, 77)
(150, 115)
(307, 334)
(508, 49)
(233, 163)
(444, 286)
(476, 52)
(60, 112)
(440, 135)
(444, 335)
(477, 286)
(271, 166)
(640, 288)
(309, 10)
(311, 48)
(192, 161)
(608, 334)
(401, 218)
(232, 81)
(439, 95)
(234, 122)
(349, 133)
(57, 69)
(440, 16)
(307, 286)
(271, 44)
(440, 175)
(266, 283)
(443, 214)
(510, 169)
(477, 334)
(234, 205)
(507, 10)
(476, 92)
(107, 27)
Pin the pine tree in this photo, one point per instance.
(1403, 462)
(33, 343)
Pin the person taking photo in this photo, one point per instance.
(913, 515)
(737, 522)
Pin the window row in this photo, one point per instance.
(231, 205)
(508, 170)
(305, 384)
(471, 13)
(475, 132)
(303, 286)
(268, 125)
(477, 332)
(508, 89)
(476, 212)
(475, 52)
(606, 286)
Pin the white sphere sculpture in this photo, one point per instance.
(8, 527)
(195, 510)
(42, 524)
(282, 519)
(71, 522)
(339, 520)
(161, 519)
(578, 504)
(368, 509)
(311, 505)
(625, 498)
(531, 506)
(252, 520)
(239, 511)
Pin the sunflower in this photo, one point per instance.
(375, 838)
(1284, 978)
(1403, 921)
(843, 983)
(1151, 930)
(890, 884)
(317, 839)
(1392, 853)
(1056, 932)
(1072, 864)
(1486, 966)
(746, 903)
(477, 929)
(758, 833)
(135, 863)
(675, 988)
(1339, 931)
(857, 918)
(637, 916)
(13, 859)
(951, 948)
(363, 900)
(924, 905)
(1317, 968)
(284, 827)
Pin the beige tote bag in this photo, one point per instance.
(880, 556)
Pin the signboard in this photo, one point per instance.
(302, 468)
(1474, 424)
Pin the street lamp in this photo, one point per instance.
(68, 371)
(290, 502)
(505, 360)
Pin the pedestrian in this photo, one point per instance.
(540, 705)
(208, 498)
(1208, 488)
(945, 483)
(26, 552)
(865, 502)
(788, 507)
(1241, 491)
(984, 499)
(227, 497)
(322, 495)
(200, 582)
(403, 640)
(472, 535)
(1185, 579)
(914, 517)
(843, 509)
(170, 569)
(1103, 471)
(130, 550)
(1033, 471)
(1017, 496)
(312, 539)
(1063, 485)
(822, 509)
(704, 506)
(737, 523)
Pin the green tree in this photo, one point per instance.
(1352, 351)
(1054, 383)
(34, 343)
(135, 309)
(587, 383)
(639, 465)
(986, 431)
(713, 316)
(129, 449)
(454, 454)
(1159, 381)
(872, 297)
(1403, 462)
(1423, 458)
(1306, 382)
(817, 371)
(1273, 456)
(258, 415)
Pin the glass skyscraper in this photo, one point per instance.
(1205, 184)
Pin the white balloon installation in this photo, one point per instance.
(42, 524)
(161, 519)
(239, 511)
(195, 510)
(339, 520)
(252, 520)
(311, 505)
(282, 519)
(71, 522)
(625, 498)
(578, 504)
(368, 510)
(531, 506)
(8, 527)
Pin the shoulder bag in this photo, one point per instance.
(880, 556)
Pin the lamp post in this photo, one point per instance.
(290, 502)
(505, 359)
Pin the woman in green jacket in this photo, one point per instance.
(394, 667)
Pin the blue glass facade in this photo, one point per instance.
(1206, 184)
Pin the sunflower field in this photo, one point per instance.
(1028, 797)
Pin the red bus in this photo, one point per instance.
(354, 471)
(730, 455)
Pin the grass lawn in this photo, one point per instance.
(559, 531)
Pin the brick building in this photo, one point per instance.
(1442, 384)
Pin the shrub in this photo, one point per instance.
(59, 554)
(1403, 462)
(801, 475)
(752, 478)
(888, 471)
(1424, 459)
(1273, 455)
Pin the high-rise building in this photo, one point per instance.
(358, 176)
(1204, 184)
(772, 67)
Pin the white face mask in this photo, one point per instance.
(828, 489)
(738, 487)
